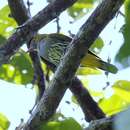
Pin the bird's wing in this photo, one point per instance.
(91, 53)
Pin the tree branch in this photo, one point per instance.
(20, 14)
(18, 11)
(101, 124)
(71, 60)
(88, 105)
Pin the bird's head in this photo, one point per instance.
(34, 42)
(50, 47)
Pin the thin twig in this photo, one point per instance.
(29, 6)
(38, 73)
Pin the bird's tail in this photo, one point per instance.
(108, 67)
(93, 61)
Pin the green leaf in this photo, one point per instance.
(1, 128)
(53, 125)
(122, 84)
(19, 70)
(57, 116)
(70, 124)
(120, 98)
(122, 89)
(96, 94)
(7, 24)
(4, 122)
(88, 71)
(112, 105)
(123, 56)
(80, 8)
(67, 124)
(73, 99)
(97, 46)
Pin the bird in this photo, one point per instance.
(52, 47)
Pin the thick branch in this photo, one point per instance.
(31, 26)
(88, 105)
(102, 124)
(18, 11)
(68, 66)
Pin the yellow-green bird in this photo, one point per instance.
(51, 47)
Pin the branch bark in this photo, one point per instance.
(88, 105)
(101, 124)
(18, 11)
(70, 62)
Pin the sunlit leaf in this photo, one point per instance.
(85, 82)
(70, 124)
(57, 116)
(112, 105)
(122, 84)
(97, 46)
(88, 71)
(19, 70)
(73, 99)
(80, 8)
(123, 56)
(122, 89)
(120, 98)
(53, 125)
(7, 24)
(96, 94)
(67, 124)
(1, 128)
(4, 122)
